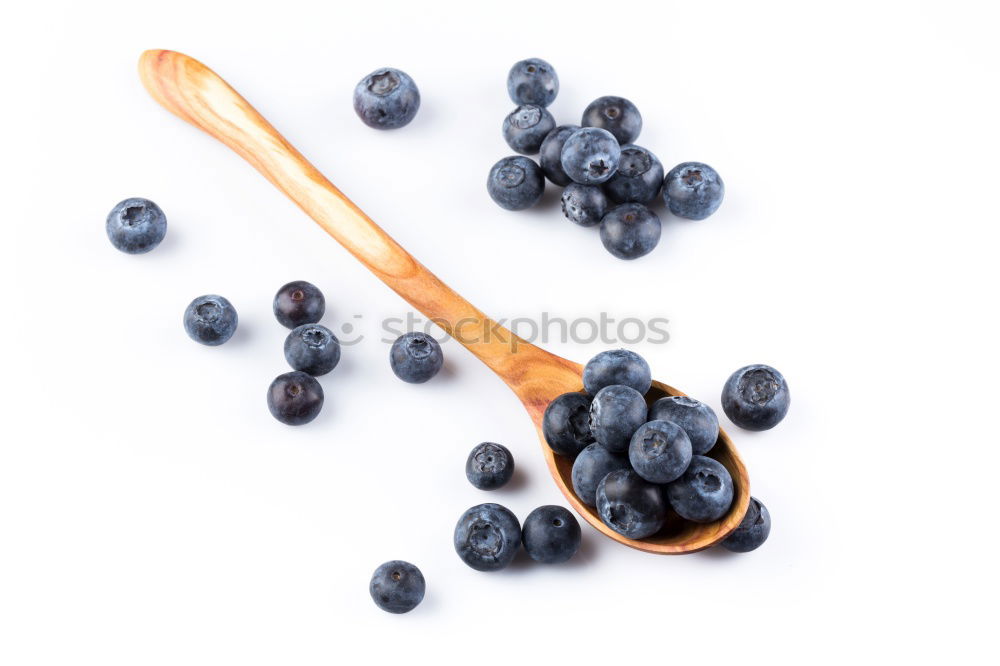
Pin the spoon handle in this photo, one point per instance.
(198, 95)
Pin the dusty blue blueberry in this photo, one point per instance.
(617, 366)
(525, 128)
(703, 493)
(590, 156)
(489, 466)
(638, 179)
(693, 190)
(313, 349)
(566, 424)
(660, 451)
(515, 183)
(550, 154)
(630, 231)
(630, 505)
(615, 414)
(696, 418)
(551, 534)
(415, 357)
(752, 531)
(397, 587)
(532, 81)
(295, 398)
(590, 467)
(756, 397)
(298, 303)
(386, 99)
(136, 225)
(615, 114)
(210, 320)
(487, 537)
(584, 204)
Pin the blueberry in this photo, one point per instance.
(295, 398)
(397, 587)
(584, 204)
(566, 424)
(617, 366)
(703, 493)
(298, 303)
(386, 99)
(590, 156)
(696, 418)
(615, 414)
(489, 466)
(415, 357)
(532, 81)
(693, 190)
(630, 231)
(550, 154)
(630, 505)
(615, 114)
(590, 467)
(551, 534)
(210, 320)
(313, 349)
(660, 451)
(487, 537)
(136, 225)
(638, 179)
(756, 397)
(525, 128)
(752, 531)
(515, 183)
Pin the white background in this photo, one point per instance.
(152, 512)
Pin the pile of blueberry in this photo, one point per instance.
(635, 462)
(608, 179)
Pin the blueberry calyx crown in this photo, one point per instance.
(511, 175)
(383, 82)
(526, 116)
(634, 163)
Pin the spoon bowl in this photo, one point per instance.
(199, 96)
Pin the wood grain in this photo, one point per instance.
(197, 95)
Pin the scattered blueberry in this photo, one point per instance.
(415, 357)
(298, 303)
(532, 81)
(136, 225)
(584, 204)
(593, 464)
(630, 231)
(386, 99)
(703, 493)
(489, 466)
(550, 154)
(313, 349)
(210, 320)
(638, 179)
(566, 424)
(295, 398)
(487, 537)
(693, 190)
(696, 418)
(617, 366)
(660, 451)
(756, 397)
(590, 156)
(551, 534)
(615, 414)
(397, 587)
(515, 183)
(630, 505)
(752, 531)
(616, 115)
(525, 128)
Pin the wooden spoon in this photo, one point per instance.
(198, 95)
